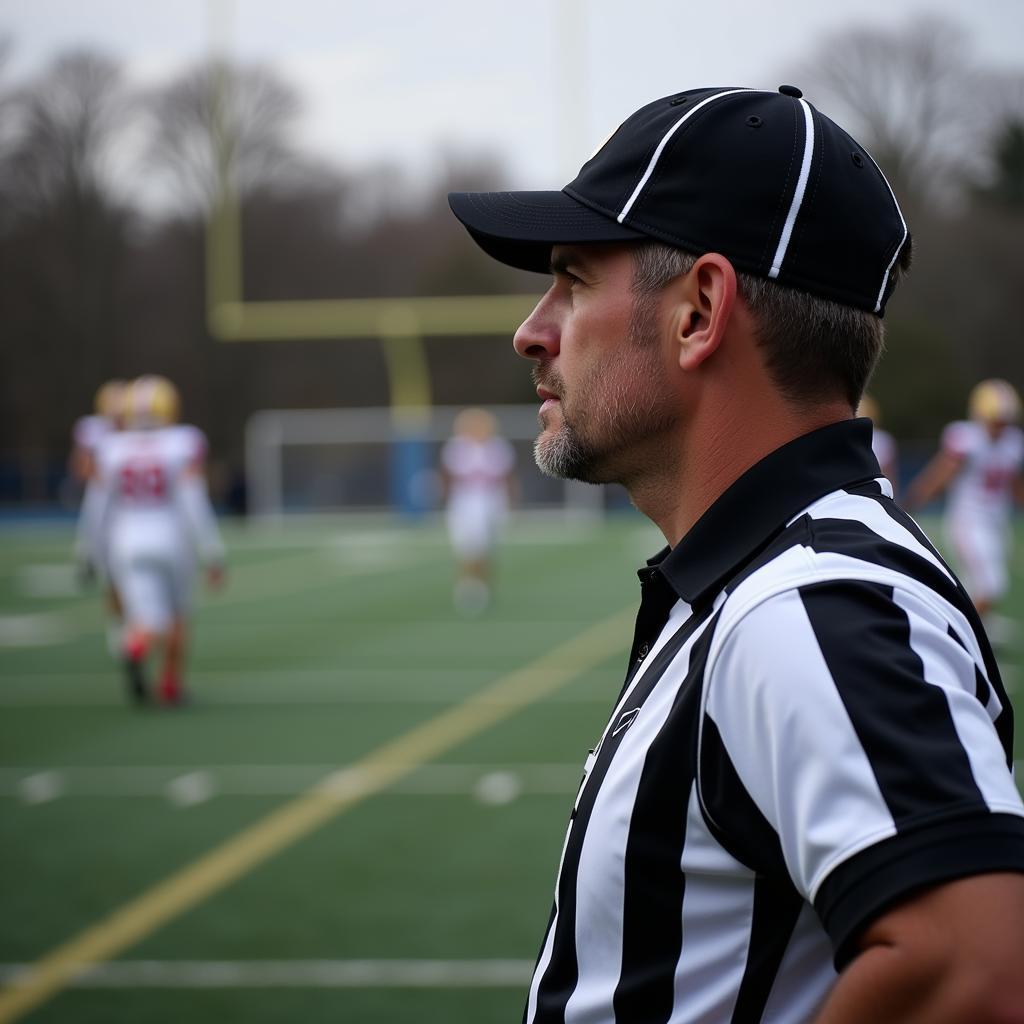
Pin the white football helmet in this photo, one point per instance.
(994, 401)
(152, 402)
(110, 399)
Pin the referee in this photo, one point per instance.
(802, 807)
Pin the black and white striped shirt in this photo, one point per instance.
(812, 728)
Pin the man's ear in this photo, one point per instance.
(706, 300)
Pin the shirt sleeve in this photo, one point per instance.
(862, 736)
(1018, 448)
(202, 523)
(90, 534)
(505, 459)
(194, 445)
(80, 431)
(89, 431)
(884, 447)
(450, 456)
(957, 439)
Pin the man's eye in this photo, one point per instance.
(564, 277)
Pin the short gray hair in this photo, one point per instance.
(815, 349)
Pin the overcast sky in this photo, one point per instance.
(540, 81)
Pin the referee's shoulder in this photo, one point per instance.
(856, 543)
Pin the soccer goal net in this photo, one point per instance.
(330, 460)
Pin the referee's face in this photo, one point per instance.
(601, 369)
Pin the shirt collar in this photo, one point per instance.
(755, 508)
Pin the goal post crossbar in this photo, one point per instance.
(424, 316)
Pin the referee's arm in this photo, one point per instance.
(951, 955)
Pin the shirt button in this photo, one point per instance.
(642, 653)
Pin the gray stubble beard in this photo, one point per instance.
(563, 455)
(566, 454)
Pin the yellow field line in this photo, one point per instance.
(330, 797)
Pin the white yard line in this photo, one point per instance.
(293, 574)
(191, 788)
(38, 629)
(192, 974)
(48, 579)
(258, 688)
(282, 577)
(189, 785)
(40, 787)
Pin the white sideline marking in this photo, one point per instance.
(294, 974)
(321, 567)
(356, 559)
(191, 789)
(519, 536)
(56, 579)
(186, 786)
(498, 788)
(38, 630)
(41, 787)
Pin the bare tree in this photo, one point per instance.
(62, 130)
(7, 140)
(912, 96)
(217, 117)
(62, 244)
(999, 180)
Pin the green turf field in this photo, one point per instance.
(416, 884)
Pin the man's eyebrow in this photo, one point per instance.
(562, 261)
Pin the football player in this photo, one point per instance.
(88, 431)
(883, 444)
(476, 471)
(980, 464)
(149, 518)
(86, 435)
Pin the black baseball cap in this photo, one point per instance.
(762, 177)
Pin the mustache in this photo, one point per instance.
(547, 377)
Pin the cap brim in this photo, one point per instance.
(519, 228)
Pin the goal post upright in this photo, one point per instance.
(399, 324)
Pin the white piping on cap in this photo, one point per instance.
(899, 248)
(798, 194)
(664, 142)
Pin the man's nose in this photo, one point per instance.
(539, 334)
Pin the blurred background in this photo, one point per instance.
(198, 189)
(345, 128)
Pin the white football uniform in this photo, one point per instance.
(88, 434)
(884, 447)
(980, 502)
(147, 516)
(89, 431)
(478, 492)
